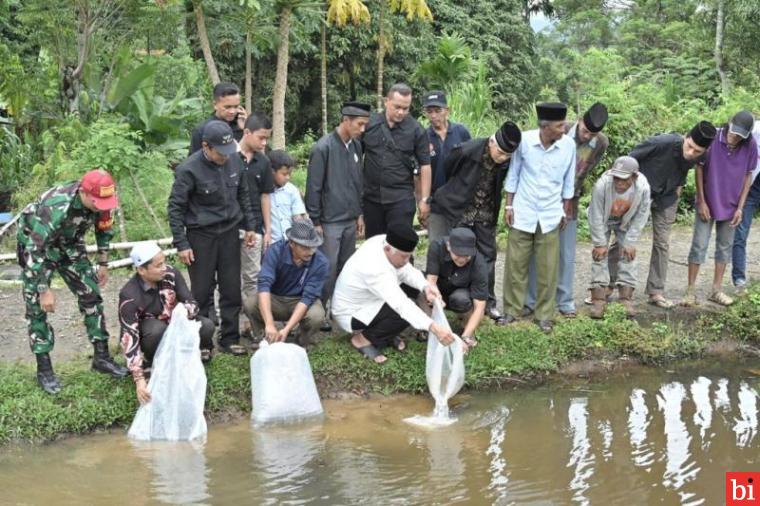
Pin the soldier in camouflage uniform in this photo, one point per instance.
(51, 239)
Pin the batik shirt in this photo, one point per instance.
(484, 198)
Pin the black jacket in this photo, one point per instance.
(208, 196)
(463, 168)
(334, 181)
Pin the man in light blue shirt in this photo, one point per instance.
(540, 186)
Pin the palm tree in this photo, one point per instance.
(412, 9)
(339, 13)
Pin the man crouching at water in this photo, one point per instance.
(145, 307)
(369, 300)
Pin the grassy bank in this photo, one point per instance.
(91, 401)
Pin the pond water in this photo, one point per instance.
(640, 437)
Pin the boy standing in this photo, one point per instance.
(286, 199)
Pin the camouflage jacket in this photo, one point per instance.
(53, 229)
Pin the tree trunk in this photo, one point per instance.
(380, 54)
(281, 81)
(248, 69)
(323, 78)
(200, 22)
(719, 26)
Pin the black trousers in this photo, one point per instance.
(458, 300)
(386, 325)
(217, 261)
(378, 216)
(152, 330)
(485, 236)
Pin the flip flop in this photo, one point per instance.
(661, 302)
(370, 352)
(399, 344)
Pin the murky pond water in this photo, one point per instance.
(642, 437)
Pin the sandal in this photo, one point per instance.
(721, 298)
(370, 352)
(205, 356)
(660, 301)
(233, 349)
(690, 299)
(399, 344)
(471, 342)
(569, 314)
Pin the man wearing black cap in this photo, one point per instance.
(209, 202)
(369, 301)
(590, 146)
(442, 133)
(227, 108)
(540, 187)
(292, 275)
(334, 191)
(471, 196)
(396, 150)
(458, 269)
(665, 161)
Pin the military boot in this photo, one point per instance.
(625, 294)
(598, 302)
(103, 362)
(45, 375)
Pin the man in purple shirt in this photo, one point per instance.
(723, 182)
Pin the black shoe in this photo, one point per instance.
(527, 311)
(233, 349)
(326, 326)
(103, 362)
(546, 326)
(45, 375)
(493, 313)
(505, 320)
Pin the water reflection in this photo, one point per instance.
(745, 425)
(581, 458)
(678, 466)
(700, 394)
(638, 423)
(180, 475)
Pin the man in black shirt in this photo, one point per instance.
(146, 304)
(209, 202)
(226, 108)
(258, 173)
(394, 145)
(334, 191)
(461, 274)
(665, 161)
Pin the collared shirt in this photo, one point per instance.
(388, 171)
(541, 178)
(661, 160)
(724, 173)
(140, 301)
(281, 276)
(481, 209)
(369, 280)
(587, 156)
(456, 134)
(285, 202)
(756, 135)
(208, 196)
(258, 174)
(334, 181)
(472, 275)
(196, 138)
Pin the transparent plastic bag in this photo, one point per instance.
(177, 386)
(444, 370)
(283, 388)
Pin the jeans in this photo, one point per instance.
(724, 238)
(739, 254)
(565, 297)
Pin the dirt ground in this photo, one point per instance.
(71, 340)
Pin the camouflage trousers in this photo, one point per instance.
(80, 277)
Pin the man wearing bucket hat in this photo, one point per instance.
(292, 276)
(619, 204)
(458, 269)
(209, 203)
(51, 239)
(723, 182)
(146, 303)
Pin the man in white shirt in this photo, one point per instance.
(369, 302)
(540, 186)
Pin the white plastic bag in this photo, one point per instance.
(444, 370)
(177, 386)
(283, 388)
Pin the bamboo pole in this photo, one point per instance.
(92, 248)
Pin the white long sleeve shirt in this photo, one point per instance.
(369, 280)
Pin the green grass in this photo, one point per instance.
(90, 401)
